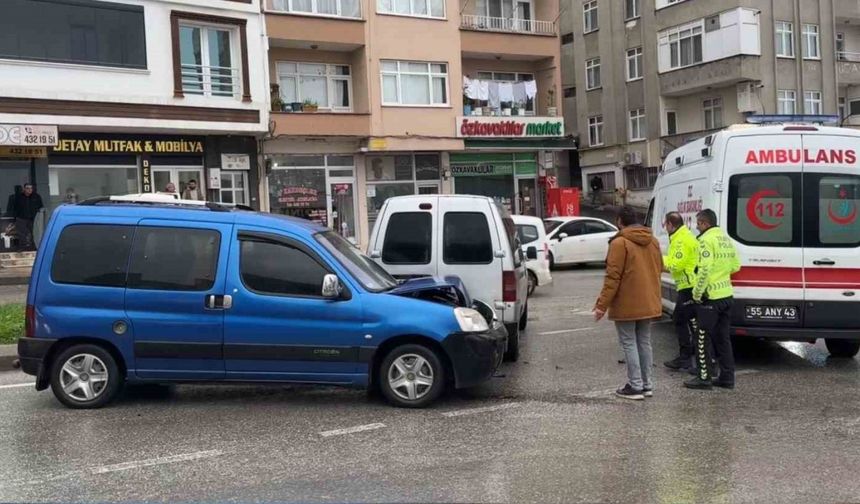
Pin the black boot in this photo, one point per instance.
(677, 364)
(698, 383)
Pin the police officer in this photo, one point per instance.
(680, 261)
(712, 295)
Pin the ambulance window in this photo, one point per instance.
(762, 210)
(838, 207)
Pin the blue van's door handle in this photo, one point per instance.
(218, 302)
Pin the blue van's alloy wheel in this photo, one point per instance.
(85, 376)
(411, 376)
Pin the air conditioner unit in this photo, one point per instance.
(633, 158)
(747, 97)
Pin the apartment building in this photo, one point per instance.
(123, 96)
(646, 76)
(370, 101)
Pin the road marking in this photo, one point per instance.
(747, 371)
(170, 459)
(17, 385)
(352, 430)
(548, 333)
(475, 411)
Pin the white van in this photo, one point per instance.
(468, 236)
(789, 197)
(535, 245)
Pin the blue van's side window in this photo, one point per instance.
(182, 259)
(274, 268)
(92, 255)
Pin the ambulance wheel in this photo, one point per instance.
(842, 348)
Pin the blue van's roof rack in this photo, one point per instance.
(155, 199)
(793, 119)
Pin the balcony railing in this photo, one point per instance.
(350, 9)
(506, 25)
(853, 57)
(210, 80)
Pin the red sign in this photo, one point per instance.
(757, 210)
(796, 156)
(298, 197)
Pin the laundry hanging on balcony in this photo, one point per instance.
(478, 89)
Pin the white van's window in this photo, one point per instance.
(526, 233)
(274, 268)
(181, 259)
(408, 238)
(762, 209)
(838, 207)
(467, 239)
(92, 255)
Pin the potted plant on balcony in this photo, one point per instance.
(309, 106)
(296, 106)
(277, 105)
(551, 109)
(515, 108)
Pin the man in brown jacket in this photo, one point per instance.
(631, 295)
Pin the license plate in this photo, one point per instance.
(780, 313)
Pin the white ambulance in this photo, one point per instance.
(789, 196)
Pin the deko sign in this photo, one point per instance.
(502, 127)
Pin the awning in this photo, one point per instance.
(549, 144)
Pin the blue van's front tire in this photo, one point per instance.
(85, 377)
(411, 376)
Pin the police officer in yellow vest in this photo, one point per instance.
(681, 261)
(712, 295)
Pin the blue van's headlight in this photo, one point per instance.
(470, 320)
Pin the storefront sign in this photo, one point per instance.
(146, 175)
(235, 162)
(214, 178)
(377, 144)
(481, 170)
(97, 145)
(299, 197)
(509, 127)
(25, 135)
(24, 152)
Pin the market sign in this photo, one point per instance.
(509, 127)
(28, 135)
(481, 169)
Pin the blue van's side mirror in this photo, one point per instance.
(331, 287)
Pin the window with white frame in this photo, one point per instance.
(784, 39)
(595, 131)
(659, 4)
(631, 9)
(512, 77)
(786, 102)
(840, 46)
(812, 102)
(634, 64)
(234, 188)
(340, 8)
(414, 83)
(811, 42)
(636, 125)
(592, 74)
(685, 45)
(589, 17)
(327, 86)
(713, 110)
(209, 65)
(420, 8)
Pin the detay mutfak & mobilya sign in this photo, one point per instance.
(510, 127)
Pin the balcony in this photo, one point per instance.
(847, 11)
(669, 143)
(333, 25)
(716, 74)
(507, 25)
(321, 124)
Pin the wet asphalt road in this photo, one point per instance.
(547, 429)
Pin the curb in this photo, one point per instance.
(21, 280)
(8, 355)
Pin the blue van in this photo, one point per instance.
(135, 291)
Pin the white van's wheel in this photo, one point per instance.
(842, 348)
(85, 376)
(411, 376)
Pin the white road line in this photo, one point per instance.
(747, 371)
(17, 385)
(475, 411)
(170, 459)
(352, 430)
(548, 333)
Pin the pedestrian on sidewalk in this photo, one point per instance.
(25, 208)
(596, 187)
(631, 296)
(680, 262)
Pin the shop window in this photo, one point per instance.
(273, 268)
(178, 259)
(408, 238)
(762, 210)
(75, 183)
(92, 255)
(401, 175)
(87, 33)
(466, 239)
(328, 86)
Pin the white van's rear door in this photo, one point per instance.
(832, 248)
(403, 245)
(763, 176)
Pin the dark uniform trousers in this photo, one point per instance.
(711, 326)
(684, 311)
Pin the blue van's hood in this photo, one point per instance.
(431, 287)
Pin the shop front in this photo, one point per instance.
(509, 178)
(402, 174)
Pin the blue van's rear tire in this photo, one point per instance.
(85, 377)
(411, 376)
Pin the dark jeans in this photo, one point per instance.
(25, 233)
(711, 327)
(681, 316)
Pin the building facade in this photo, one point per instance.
(123, 96)
(369, 101)
(644, 77)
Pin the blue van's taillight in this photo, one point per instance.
(30, 322)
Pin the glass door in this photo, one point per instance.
(428, 188)
(179, 178)
(341, 206)
(527, 198)
(523, 14)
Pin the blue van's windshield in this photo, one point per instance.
(370, 274)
